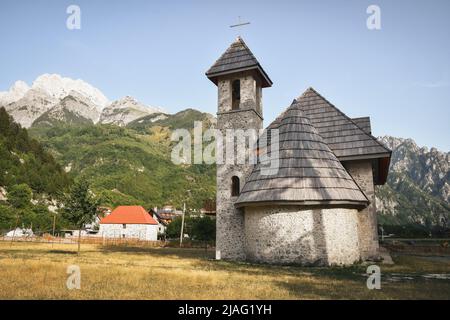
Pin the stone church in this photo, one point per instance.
(319, 208)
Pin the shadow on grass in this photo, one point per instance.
(192, 253)
(306, 290)
(260, 269)
(41, 251)
(63, 252)
(327, 288)
(403, 264)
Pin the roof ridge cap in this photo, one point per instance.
(309, 89)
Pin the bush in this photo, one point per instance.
(174, 228)
(204, 229)
(416, 231)
(7, 218)
(199, 228)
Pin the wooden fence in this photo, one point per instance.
(84, 240)
(107, 241)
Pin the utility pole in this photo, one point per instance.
(54, 223)
(14, 231)
(182, 224)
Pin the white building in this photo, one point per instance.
(129, 222)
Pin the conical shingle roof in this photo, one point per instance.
(309, 172)
(236, 58)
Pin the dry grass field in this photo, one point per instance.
(38, 271)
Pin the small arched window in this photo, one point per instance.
(236, 94)
(235, 187)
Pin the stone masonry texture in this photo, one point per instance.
(230, 238)
(296, 235)
(361, 171)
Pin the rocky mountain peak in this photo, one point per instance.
(125, 110)
(68, 99)
(419, 179)
(59, 87)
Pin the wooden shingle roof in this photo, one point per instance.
(363, 123)
(347, 139)
(309, 173)
(236, 58)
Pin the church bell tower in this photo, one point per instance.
(240, 79)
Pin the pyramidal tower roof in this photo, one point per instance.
(309, 172)
(236, 58)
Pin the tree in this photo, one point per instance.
(204, 229)
(80, 206)
(7, 217)
(19, 196)
(39, 217)
(174, 228)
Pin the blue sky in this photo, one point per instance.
(158, 51)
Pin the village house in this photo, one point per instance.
(162, 223)
(209, 208)
(129, 222)
(164, 216)
(319, 206)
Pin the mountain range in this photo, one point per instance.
(53, 99)
(123, 148)
(418, 186)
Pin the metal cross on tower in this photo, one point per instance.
(239, 24)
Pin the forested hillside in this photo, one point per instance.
(30, 178)
(24, 160)
(132, 165)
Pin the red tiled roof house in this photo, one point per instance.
(129, 222)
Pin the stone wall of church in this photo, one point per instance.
(229, 220)
(293, 235)
(230, 238)
(361, 171)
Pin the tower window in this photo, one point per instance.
(235, 188)
(235, 94)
